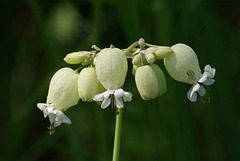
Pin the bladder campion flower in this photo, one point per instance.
(111, 69)
(183, 66)
(62, 94)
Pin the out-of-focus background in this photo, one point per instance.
(36, 35)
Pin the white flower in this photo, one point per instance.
(56, 117)
(117, 94)
(206, 78)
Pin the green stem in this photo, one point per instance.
(133, 45)
(117, 137)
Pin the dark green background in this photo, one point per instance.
(36, 35)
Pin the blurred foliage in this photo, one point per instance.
(35, 37)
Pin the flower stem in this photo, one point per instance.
(117, 137)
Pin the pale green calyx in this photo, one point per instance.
(111, 67)
(162, 52)
(88, 84)
(83, 57)
(73, 58)
(150, 81)
(63, 91)
(183, 64)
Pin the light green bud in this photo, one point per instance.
(63, 91)
(88, 84)
(86, 61)
(136, 60)
(150, 58)
(183, 64)
(84, 54)
(73, 58)
(162, 84)
(162, 52)
(111, 67)
(134, 68)
(150, 81)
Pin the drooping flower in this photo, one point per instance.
(62, 94)
(56, 117)
(118, 96)
(183, 66)
(205, 79)
(111, 70)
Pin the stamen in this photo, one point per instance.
(51, 129)
(205, 99)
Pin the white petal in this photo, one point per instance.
(195, 87)
(66, 120)
(208, 68)
(45, 113)
(98, 97)
(192, 98)
(209, 81)
(51, 118)
(57, 123)
(213, 72)
(119, 102)
(203, 78)
(50, 109)
(60, 116)
(201, 91)
(118, 93)
(127, 96)
(210, 71)
(106, 102)
(42, 106)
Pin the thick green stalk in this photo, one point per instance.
(117, 137)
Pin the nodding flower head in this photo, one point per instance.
(62, 94)
(111, 67)
(183, 66)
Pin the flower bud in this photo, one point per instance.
(136, 60)
(88, 84)
(162, 84)
(150, 58)
(150, 81)
(86, 61)
(73, 58)
(63, 89)
(183, 64)
(111, 67)
(162, 52)
(134, 68)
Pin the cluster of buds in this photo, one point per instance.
(102, 74)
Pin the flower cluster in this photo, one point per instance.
(102, 74)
